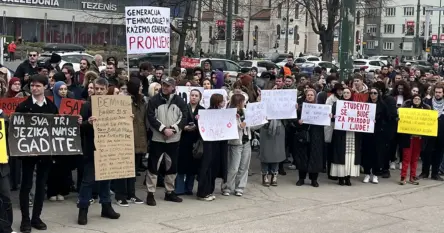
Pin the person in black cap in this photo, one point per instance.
(54, 62)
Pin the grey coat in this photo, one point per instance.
(272, 146)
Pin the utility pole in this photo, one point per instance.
(229, 29)
(199, 25)
(418, 13)
(287, 23)
(249, 26)
(346, 46)
(439, 23)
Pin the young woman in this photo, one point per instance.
(14, 88)
(411, 145)
(187, 165)
(214, 159)
(308, 146)
(236, 89)
(206, 83)
(373, 144)
(239, 151)
(346, 158)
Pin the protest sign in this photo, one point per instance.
(355, 116)
(188, 62)
(184, 92)
(33, 134)
(147, 29)
(206, 96)
(218, 124)
(3, 148)
(8, 105)
(360, 97)
(70, 106)
(316, 114)
(256, 114)
(281, 104)
(418, 121)
(113, 137)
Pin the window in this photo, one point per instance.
(231, 66)
(374, 63)
(358, 17)
(296, 11)
(371, 44)
(424, 11)
(409, 11)
(373, 12)
(279, 9)
(390, 11)
(372, 28)
(388, 46)
(389, 28)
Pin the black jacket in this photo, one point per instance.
(87, 131)
(28, 106)
(25, 68)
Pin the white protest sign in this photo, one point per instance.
(281, 104)
(316, 114)
(184, 92)
(218, 124)
(355, 116)
(147, 29)
(256, 114)
(206, 96)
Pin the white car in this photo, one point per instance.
(369, 65)
(228, 66)
(73, 58)
(383, 59)
(261, 65)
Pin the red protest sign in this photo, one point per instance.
(187, 62)
(360, 97)
(8, 105)
(70, 106)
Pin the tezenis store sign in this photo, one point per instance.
(34, 2)
(99, 6)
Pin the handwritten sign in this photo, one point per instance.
(206, 96)
(281, 104)
(316, 114)
(113, 137)
(44, 134)
(355, 116)
(3, 148)
(256, 114)
(70, 106)
(418, 121)
(188, 62)
(218, 124)
(147, 29)
(184, 92)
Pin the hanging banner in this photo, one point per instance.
(238, 30)
(147, 29)
(221, 28)
(218, 124)
(355, 116)
(3, 147)
(418, 121)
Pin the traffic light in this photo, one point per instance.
(358, 48)
(401, 45)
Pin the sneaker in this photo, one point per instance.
(207, 198)
(238, 194)
(400, 166)
(292, 167)
(122, 203)
(135, 200)
(92, 201)
(53, 198)
(172, 197)
(60, 198)
(150, 199)
(375, 179)
(213, 196)
(226, 193)
(366, 179)
(392, 166)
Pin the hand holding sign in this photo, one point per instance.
(91, 119)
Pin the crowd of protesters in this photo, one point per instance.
(166, 129)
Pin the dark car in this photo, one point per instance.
(156, 59)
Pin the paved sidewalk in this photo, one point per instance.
(376, 208)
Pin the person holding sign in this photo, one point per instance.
(167, 116)
(88, 147)
(36, 103)
(6, 215)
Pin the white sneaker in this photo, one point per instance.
(366, 179)
(375, 179)
(207, 198)
(239, 194)
(213, 196)
(53, 198)
(400, 166)
(60, 198)
(292, 167)
(226, 193)
(392, 166)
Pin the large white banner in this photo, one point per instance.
(316, 114)
(147, 29)
(255, 114)
(184, 92)
(205, 102)
(281, 104)
(218, 124)
(355, 116)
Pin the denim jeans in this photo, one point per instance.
(269, 168)
(88, 182)
(184, 183)
(238, 163)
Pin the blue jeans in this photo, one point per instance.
(269, 168)
(184, 183)
(88, 182)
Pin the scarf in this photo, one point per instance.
(438, 105)
(274, 128)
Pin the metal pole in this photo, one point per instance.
(287, 23)
(439, 23)
(249, 26)
(346, 47)
(2, 42)
(198, 31)
(229, 29)
(418, 13)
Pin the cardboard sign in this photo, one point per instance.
(184, 92)
(3, 148)
(113, 137)
(43, 134)
(355, 116)
(256, 114)
(218, 124)
(188, 62)
(418, 121)
(281, 104)
(70, 106)
(316, 114)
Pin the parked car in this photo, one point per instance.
(326, 64)
(70, 57)
(156, 59)
(301, 60)
(262, 65)
(228, 66)
(421, 64)
(369, 65)
(383, 59)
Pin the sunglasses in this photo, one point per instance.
(33, 55)
(373, 93)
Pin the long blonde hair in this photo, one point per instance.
(151, 88)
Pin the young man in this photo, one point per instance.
(167, 116)
(36, 103)
(27, 68)
(88, 147)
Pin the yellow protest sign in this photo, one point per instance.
(418, 121)
(3, 149)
